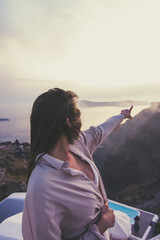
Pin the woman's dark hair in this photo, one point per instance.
(50, 115)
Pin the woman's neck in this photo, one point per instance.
(60, 150)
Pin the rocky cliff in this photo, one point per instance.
(130, 165)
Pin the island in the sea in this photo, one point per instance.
(4, 119)
(124, 103)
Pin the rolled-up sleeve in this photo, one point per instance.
(96, 135)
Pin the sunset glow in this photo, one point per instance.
(100, 49)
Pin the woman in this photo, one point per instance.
(65, 197)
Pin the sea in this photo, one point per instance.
(19, 114)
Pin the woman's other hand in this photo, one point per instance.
(107, 218)
(127, 112)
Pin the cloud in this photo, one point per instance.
(147, 92)
(23, 90)
(97, 48)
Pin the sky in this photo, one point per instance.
(101, 49)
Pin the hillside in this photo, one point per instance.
(131, 161)
(13, 165)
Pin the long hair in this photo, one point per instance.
(48, 120)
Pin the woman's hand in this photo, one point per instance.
(107, 218)
(127, 112)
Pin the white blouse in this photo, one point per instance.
(61, 202)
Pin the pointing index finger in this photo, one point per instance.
(131, 108)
